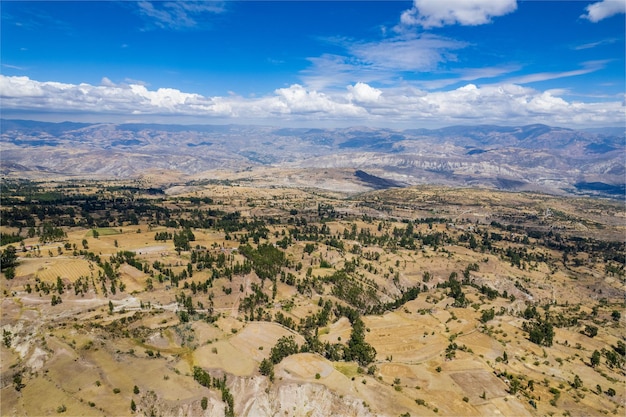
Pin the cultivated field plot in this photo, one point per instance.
(48, 269)
(406, 339)
(479, 383)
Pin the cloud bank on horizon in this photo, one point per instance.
(424, 63)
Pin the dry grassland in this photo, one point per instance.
(86, 355)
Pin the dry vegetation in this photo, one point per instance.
(231, 298)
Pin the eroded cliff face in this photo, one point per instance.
(289, 398)
(257, 398)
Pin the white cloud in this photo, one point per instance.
(107, 82)
(381, 62)
(363, 93)
(358, 103)
(15, 67)
(299, 101)
(179, 14)
(407, 54)
(591, 45)
(588, 67)
(470, 74)
(14, 88)
(603, 9)
(337, 71)
(437, 13)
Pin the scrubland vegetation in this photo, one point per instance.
(120, 298)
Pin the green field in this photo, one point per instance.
(104, 231)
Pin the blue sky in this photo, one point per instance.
(421, 63)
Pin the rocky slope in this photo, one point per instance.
(534, 157)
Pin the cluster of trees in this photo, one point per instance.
(51, 233)
(162, 236)
(8, 261)
(358, 349)
(267, 260)
(615, 357)
(252, 302)
(540, 331)
(182, 239)
(455, 290)
(347, 288)
(204, 378)
(6, 238)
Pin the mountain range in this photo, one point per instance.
(522, 158)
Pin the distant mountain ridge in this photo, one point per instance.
(532, 157)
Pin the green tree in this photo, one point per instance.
(358, 349)
(51, 233)
(487, 315)
(204, 402)
(284, 347)
(8, 258)
(267, 368)
(515, 385)
(59, 285)
(201, 376)
(540, 332)
(591, 330)
(9, 273)
(133, 406)
(595, 358)
(7, 337)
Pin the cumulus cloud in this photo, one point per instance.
(437, 13)
(363, 93)
(22, 92)
(14, 88)
(355, 104)
(604, 9)
(297, 100)
(107, 82)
